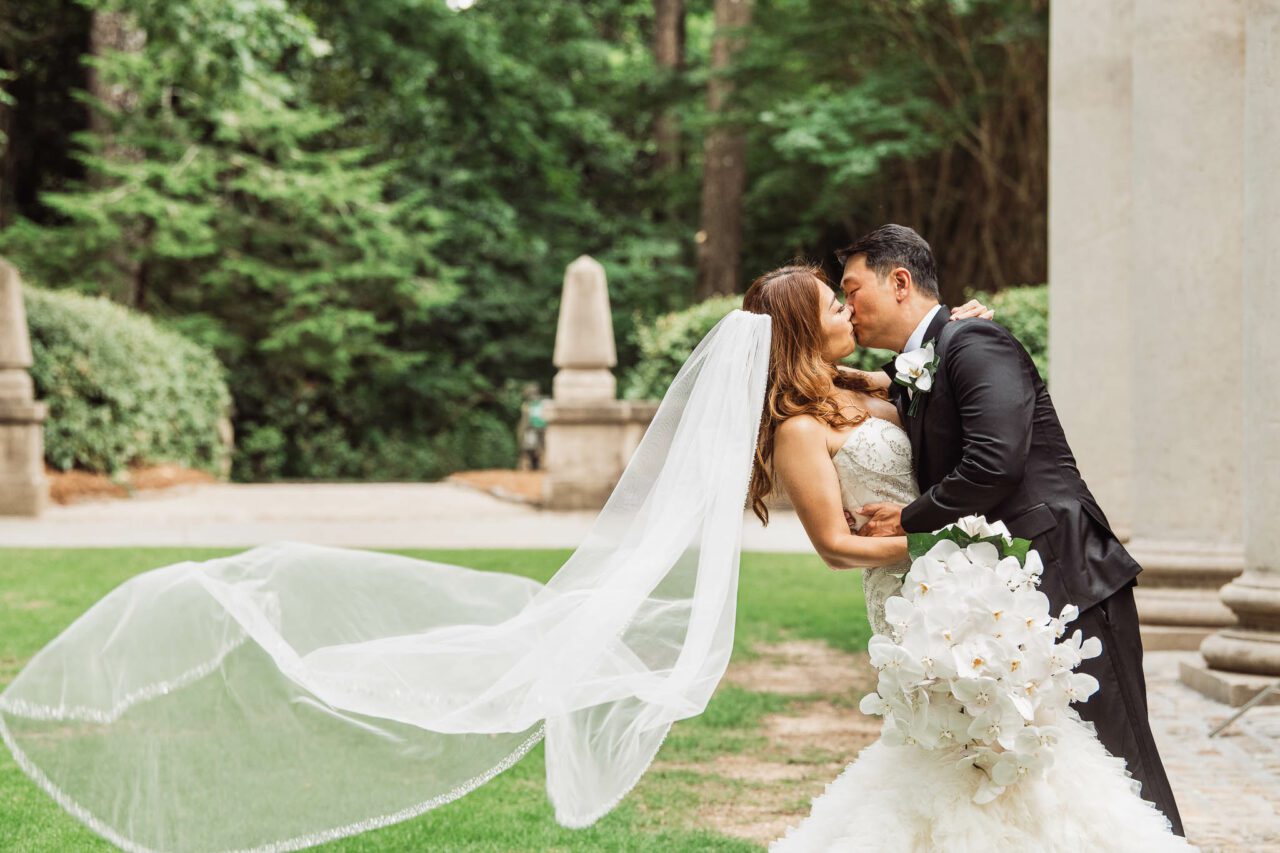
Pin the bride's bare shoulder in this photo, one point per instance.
(803, 432)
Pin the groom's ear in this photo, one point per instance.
(900, 281)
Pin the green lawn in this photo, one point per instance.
(42, 591)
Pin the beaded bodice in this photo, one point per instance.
(873, 465)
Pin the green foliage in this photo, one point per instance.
(120, 388)
(529, 124)
(1025, 312)
(665, 343)
(366, 206)
(220, 201)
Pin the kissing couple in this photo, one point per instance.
(294, 694)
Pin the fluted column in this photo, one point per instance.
(1091, 242)
(1187, 312)
(1253, 647)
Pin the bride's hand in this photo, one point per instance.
(973, 308)
(851, 377)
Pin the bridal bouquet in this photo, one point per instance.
(974, 663)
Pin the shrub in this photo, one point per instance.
(1025, 312)
(120, 388)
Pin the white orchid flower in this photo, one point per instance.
(913, 368)
(1086, 649)
(888, 655)
(976, 694)
(902, 615)
(999, 723)
(873, 705)
(1080, 686)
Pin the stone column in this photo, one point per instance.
(1243, 659)
(1188, 120)
(590, 435)
(1090, 242)
(23, 489)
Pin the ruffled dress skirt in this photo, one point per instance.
(895, 799)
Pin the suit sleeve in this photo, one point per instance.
(995, 399)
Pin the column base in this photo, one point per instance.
(1229, 688)
(1172, 638)
(1177, 592)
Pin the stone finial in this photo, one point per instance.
(23, 489)
(584, 336)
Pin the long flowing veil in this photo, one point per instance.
(294, 694)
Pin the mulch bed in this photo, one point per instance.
(519, 486)
(68, 487)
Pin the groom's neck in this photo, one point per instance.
(914, 311)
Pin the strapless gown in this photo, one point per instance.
(903, 799)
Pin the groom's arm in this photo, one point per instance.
(995, 396)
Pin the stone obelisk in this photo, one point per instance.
(23, 488)
(590, 434)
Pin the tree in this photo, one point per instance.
(931, 114)
(724, 160)
(116, 31)
(216, 195)
(668, 54)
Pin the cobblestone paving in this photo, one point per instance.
(1227, 787)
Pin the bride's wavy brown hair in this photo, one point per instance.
(801, 381)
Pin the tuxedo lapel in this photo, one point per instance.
(915, 424)
(897, 393)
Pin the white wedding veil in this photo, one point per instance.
(294, 694)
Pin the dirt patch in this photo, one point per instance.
(67, 487)
(803, 668)
(518, 486)
(807, 745)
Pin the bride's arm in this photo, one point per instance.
(804, 468)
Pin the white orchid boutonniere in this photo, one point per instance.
(915, 370)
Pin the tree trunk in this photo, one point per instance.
(110, 32)
(668, 54)
(724, 168)
(7, 202)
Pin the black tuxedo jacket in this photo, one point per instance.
(987, 441)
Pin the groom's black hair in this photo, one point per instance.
(891, 246)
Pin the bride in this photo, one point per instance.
(292, 694)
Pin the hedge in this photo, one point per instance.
(121, 389)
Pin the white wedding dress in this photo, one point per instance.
(894, 799)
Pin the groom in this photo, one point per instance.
(987, 442)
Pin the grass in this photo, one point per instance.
(780, 596)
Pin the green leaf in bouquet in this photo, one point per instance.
(919, 544)
(1018, 548)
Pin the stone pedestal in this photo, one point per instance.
(588, 447)
(23, 488)
(590, 435)
(1241, 660)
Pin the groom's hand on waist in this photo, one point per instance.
(885, 520)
